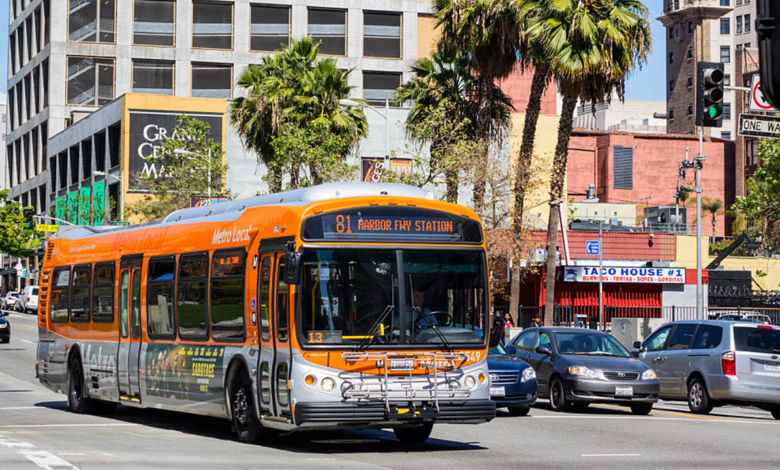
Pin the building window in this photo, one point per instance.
(751, 152)
(739, 2)
(212, 81)
(727, 111)
(380, 86)
(690, 53)
(154, 22)
(727, 80)
(671, 114)
(671, 32)
(747, 23)
(329, 28)
(690, 110)
(671, 57)
(739, 24)
(690, 27)
(382, 35)
(212, 25)
(725, 54)
(690, 81)
(747, 45)
(91, 20)
(725, 135)
(153, 77)
(671, 85)
(725, 25)
(90, 81)
(623, 163)
(270, 28)
(739, 47)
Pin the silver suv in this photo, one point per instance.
(714, 362)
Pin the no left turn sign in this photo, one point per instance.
(757, 101)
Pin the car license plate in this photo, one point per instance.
(624, 391)
(406, 364)
(497, 392)
(772, 368)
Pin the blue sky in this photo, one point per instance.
(645, 84)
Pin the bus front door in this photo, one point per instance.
(274, 363)
(129, 329)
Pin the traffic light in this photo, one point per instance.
(769, 49)
(709, 94)
(28, 217)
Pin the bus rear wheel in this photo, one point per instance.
(78, 398)
(414, 435)
(245, 421)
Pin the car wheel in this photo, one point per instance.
(414, 435)
(558, 396)
(642, 408)
(78, 399)
(698, 400)
(518, 410)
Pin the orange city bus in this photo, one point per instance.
(349, 305)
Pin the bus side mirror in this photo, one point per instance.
(496, 331)
(292, 274)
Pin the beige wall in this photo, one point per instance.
(426, 35)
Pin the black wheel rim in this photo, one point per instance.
(242, 406)
(76, 391)
(556, 395)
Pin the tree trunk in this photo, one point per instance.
(485, 87)
(451, 175)
(521, 173)
(713, 228)
(556, 193)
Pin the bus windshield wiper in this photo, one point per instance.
(369, 338)
(444, 341)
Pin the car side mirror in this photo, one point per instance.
(543, 350)
(511, 350)
(635, 353)
(637, 345)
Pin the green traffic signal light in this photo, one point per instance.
(714, 112)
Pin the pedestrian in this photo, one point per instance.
(537, 322)
(508, 321)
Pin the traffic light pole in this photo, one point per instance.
(699, 160)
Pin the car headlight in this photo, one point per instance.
(3, 325)
(470, 382)
(581, 371)
(649, 374)
(528, 374)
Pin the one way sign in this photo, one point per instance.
(755, 125)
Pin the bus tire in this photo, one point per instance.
(78, 397)
(415, 435)
(242, 409)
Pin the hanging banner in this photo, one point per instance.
(59, 211)
(72, 207)
(99, 202)
(85, 199)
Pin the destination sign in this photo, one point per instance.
(392, 224)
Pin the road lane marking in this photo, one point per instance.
(96, 425)
(28, 342)
(22, 408)
(41, 458)
(685, 415)
(611, 455)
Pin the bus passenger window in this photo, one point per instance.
(227, 295)
(80, 295)
(265, 294)
(191, 296)
(60, 295)
(159, 302)
(123, 288)
(281, 302)
(103, 293)
(135, 313)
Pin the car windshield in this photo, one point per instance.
(498, 349)
(589, 344)
(362, 297)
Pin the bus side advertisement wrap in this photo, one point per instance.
(182, 372)
(392, 224)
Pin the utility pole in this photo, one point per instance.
(698, 162)
(601, 269)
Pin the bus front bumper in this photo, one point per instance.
(375, 414)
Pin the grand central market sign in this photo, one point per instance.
(625, 275)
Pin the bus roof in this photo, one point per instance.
(231, 210)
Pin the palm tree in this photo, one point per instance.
(714, 207)
(294, 87)
(489, 31)
(592, 45)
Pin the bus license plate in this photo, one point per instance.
(624, 391)
(772, 368)
(497, 392)
(406, 364)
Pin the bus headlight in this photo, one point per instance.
(328, 384)
(470, 382)
(454, 385)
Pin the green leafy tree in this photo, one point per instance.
(760, 208)
(591, 46)
(16, 237)
(290, 89)
(190, 163)
(715, 207)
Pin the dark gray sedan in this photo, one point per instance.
(576, 367)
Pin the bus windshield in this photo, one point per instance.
(365, 297)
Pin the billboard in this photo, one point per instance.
(148, 130)
(373, 168)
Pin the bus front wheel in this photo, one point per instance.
(414, 435)
(78, 398)
(245, 421)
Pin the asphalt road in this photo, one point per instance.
(38, 431)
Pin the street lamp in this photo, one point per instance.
(187, 152)
(121, 191)
(386, 116)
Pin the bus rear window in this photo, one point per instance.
(760, 340)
